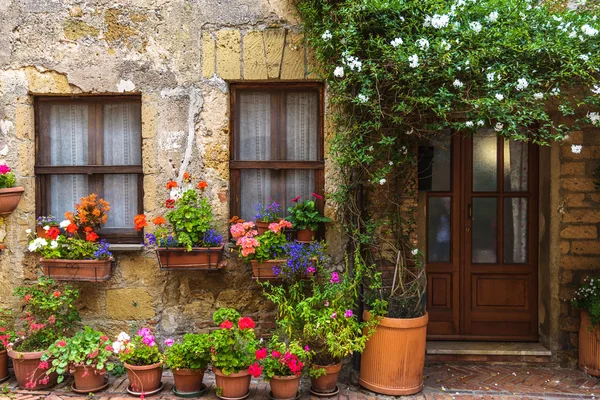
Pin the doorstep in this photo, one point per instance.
(515, 352)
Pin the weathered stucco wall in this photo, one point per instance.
(177, 54)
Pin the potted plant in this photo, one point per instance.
(7, 336)
(185, 238)
(282, 367)
(188, 360)
(85, 355)
(587, 299)
(49, 313)
(233, 357)
(399, 343)
(9, 194)
(305, 218)
(143, 361)
(44, 223)
(71, 251)
(267, 214)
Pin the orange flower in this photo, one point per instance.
(186, 176)
(235, 219)
(72, 228)
(202, 185)
(69, 216)
(140, 222)
(171, 185)
(159, 220)
(91, 237)
(87, 229)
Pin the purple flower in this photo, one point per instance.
(169, 342)
(334, 315)
(348, 314)
(144, 332)
(335, 278)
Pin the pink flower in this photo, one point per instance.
(169, 342)
(261, 354)
(295, 199)
(326, 304)
(335, 278)
(348, 314)
(275, 354)
(246, 323)
(255, 370)
(306, 348)
(227, 324)
(334, 315)
(43, 365)
(4, 169)
(316, 196)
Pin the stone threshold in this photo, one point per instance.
(487, 348)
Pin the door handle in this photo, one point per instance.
(470, 210)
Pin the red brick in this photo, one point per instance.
(578, 184)
(580, 262)
(572, 168)
(579, 232)
(585, 247)
(587, 216)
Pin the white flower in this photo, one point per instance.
(573, 34)
(445, 45)
(123, 337)
(596, 89)
(46, 227)
(37, 243)
(404, 150)
(480, 123)
(362, 98)
(370, 148)
(27, 231)
(576, 148)
(555, 91)
(493, 17)
(117, 347)
(498, 127)
(583, 57)
(382, 181)
(423, 43)
(588, 30)
(65, 223)
(414, 252)
(522, 84)
(457, 83)
(354, 63)
(439, 21)
(499, 96)
(414, 61)
(53, 244)
(397, 42)
(469, 124)
(594, 117)
(391, 163)
(538, 96)
(427, 21)
(490, 76)
(326, 36)
(338, 72)
(476, 26)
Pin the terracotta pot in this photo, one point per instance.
(188, 380)
(9, 199)
(232, 386)
(394, 357)
(25, 365)
(264, 270)
(92, 381)
(285, 387)
(145, 378)
(77, 270)
(3, 365)
(199, 257)
(261, 226)
(328, 382)
(589, 346)
(305, 235)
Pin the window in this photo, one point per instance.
(276, 144)
(91, 145)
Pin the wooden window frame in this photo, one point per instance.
(277, 89)
(94, 169)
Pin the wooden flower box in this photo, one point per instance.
(77, 270)
(264, 270)
(201, 258)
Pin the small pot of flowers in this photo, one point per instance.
(44, 223)
(233, 357)
(9, 194)
(306, 218)
(142, 359)
(85, 355)
(267, 214)
(49, 312)
(188, 360)
(71, 251)
(7, 336)
(185, 238)
(587, 299)
(282, 367)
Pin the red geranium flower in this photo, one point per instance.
(57, 293)
(295, 199)
(62, 343)
(140, 222)
(186, 176)
(109, 348)
(72, 228)
(104, 338)
(317, 196)
(171, 185)
(91, 237)
(245, 323)
(227, 324)
(260, 354)
(170, 203)
(87, 229)
(53, 233)
(275, 354)
(159, 220)
(202, 185)
(255, 370)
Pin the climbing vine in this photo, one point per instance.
(402, 72)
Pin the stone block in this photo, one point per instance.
(575, 137)
(200, 308)
(27, 203)
(580, 263)
(228, 54)
(587, 153)
(149, 193)
(572, 168)
(587, 247)
(129, 304)
(313, 69)
(575, 200)
(148, 119)
(255, 64)
(75, 29)
(579, 232)
(140, 271)
(274, 43)
(24, 123)
(149, 156)
(47, 82)
(565, 246)
(578, 184)
(582, 215)
(26, 161)
(208, 55)
(293, 64)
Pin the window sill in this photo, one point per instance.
(126, 247)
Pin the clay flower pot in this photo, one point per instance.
(589, 346)
(261, 226)
(394, 357)
(198, 258)
(9, 199)
(77, 270)
(232, 386)
(264, 270)
(89, 379)
(305, 235)
(188, 380)
(3, 365)
(26, 366)
(144, 378)
(328, 382)
(284, 387)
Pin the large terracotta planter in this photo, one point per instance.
(284, 387)
(92, 381)
(305, 235)
(261, 226)
(77, 270)
(589, 346)
(188, 380)
(394, 357)
(26, 367)
(9, 199)
(3, 365)
(232, 386)
(145, 378)
(198, 258)
(328, 382)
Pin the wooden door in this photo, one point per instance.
(482, 241)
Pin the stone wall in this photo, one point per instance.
(178, 55)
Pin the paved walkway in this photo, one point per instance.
(451, 381)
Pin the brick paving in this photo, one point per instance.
(442, 382)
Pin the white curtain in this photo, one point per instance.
(516, 173)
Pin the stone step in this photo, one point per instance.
(512, 352)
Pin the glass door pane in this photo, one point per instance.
(439, 233)
(485, 162)
(485, 230)
(515, 230)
